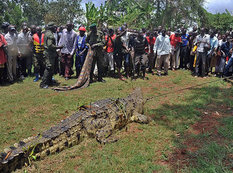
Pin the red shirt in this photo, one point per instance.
(110, 46)
(175, 40)
(151, 43)
(2, 53)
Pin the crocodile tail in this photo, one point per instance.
(84, 77)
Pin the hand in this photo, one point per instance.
(70, 56)
(60, 47)
(93, 46)
(3, 45)
(20, 55)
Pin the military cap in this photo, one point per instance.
(93, 25)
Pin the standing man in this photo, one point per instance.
(12, 50)
(184, 57)
(211, 55)
(81, 50)
(140, 56)
(30, 57)
(151, 56)
(110, 39)
(202, 41)
(96, 41)
(68, 42)
(50, 55)
(163, 49)
(175, 49)
(23, 43)
(226, 50)
(38, 50)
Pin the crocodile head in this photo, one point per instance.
(137, 99)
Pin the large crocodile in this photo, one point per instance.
(99, 120)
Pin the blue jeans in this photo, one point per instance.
(127, 60)
(228, 66)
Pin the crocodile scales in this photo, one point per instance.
(100, 120)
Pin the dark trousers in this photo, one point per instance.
(1, 74)
(79, 61)
(141, 62)
(39, 63)
(22, 62)
(98, 57)
(201, 58)
(184, 59)
(192, 57)
(49, 70)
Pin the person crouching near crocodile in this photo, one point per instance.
(81, 50)
(95, 40)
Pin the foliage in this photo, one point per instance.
(136, 14)
(62, 11)
(219, 21)
(11, 11)
(40, 12)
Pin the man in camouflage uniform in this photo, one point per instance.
(96, 41)
(50, 55)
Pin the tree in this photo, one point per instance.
(34, 10)
(61, 11)
(12, 13)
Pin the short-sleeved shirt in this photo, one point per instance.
(185, 40)
(175, 40)
(151, 43)
(203, 41)
(110, 41)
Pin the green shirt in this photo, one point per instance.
(95, 38)
(49, 41)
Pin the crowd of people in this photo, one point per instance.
(121, 53)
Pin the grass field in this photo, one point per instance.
(191, 129)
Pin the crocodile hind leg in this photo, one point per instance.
(139, 118)
(105, 135)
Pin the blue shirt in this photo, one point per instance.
(226, 49)
(185, 40)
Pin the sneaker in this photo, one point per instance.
(44, 87)
(36, 78)
(22, 77)
(101, 80)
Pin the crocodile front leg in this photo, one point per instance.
(139, 118)
(105, 135)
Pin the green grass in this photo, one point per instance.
(27, 110)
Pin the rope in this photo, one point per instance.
(187, 88)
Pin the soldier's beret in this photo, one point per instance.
(93, 25)
(51, 24)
